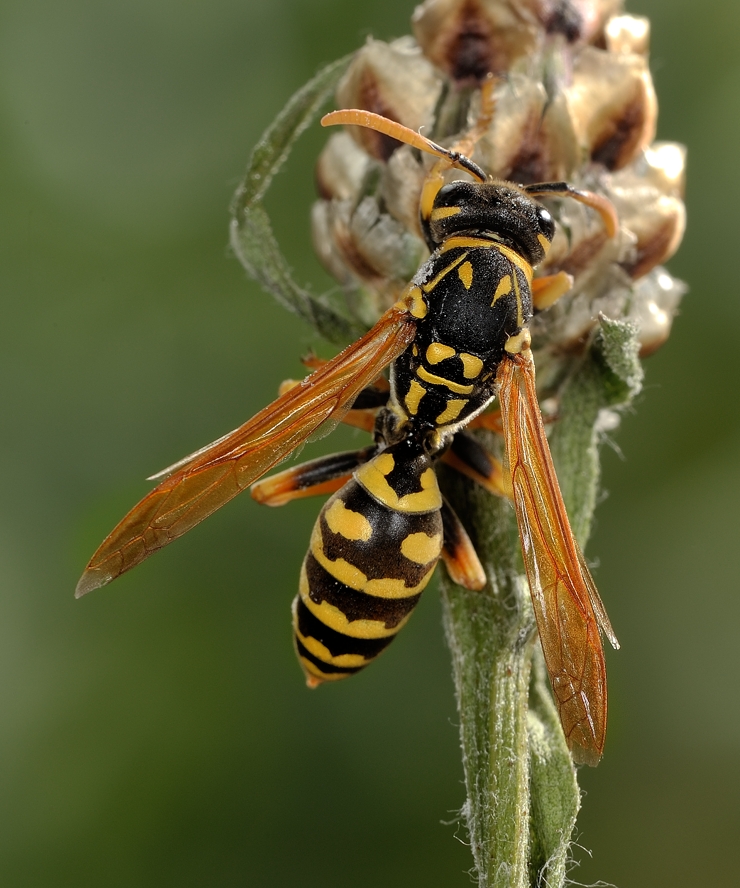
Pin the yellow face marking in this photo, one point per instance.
(444, 213)
(472, 365)
(438, 352)
(351, 525)
(465, 273)
(333, 618)
(439, 380)
(414, 395)
(420, 548)
(519, 343)
(372, 478)
(414, 350)
(503, 289)
(544, 243)
(430, 285)
(451, 411)
(415, 303)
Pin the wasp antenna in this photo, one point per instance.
(356, 117)
(603, 206)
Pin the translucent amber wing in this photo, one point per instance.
(196, 486)
(562, 590)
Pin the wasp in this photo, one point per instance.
(456, 339)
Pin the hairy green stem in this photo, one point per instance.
(522, 794)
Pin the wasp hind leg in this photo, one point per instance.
(469, 457)
(458, 552)
(324, 475)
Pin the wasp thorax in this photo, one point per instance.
(493, 209)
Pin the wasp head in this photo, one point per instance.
(493, 209)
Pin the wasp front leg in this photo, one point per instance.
(548, 289)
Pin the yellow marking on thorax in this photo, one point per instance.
(503, 289)
(421, 548)
(452, 411)
(438, 352)
(472, 365)
(413, 397)
(372, 477)
(470, 243)
(415, 303)
(517, 260)
(519, 343)
(518, 294)
(465, 273)
(351, 525)
(439, 380)
(430, 285)
(444, 213)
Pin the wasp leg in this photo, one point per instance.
(548, 289)
(436, 177)
(367, 402)
(313, 362)
(458, 553)
(490, 421)
(327, 474)
(471, 459)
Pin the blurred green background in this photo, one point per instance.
(159, 733)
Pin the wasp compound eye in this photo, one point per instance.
(547, 224)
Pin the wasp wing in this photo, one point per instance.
(196, 486)
(566, 604)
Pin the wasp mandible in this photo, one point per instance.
(456, 339)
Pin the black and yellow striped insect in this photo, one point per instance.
(456, 339)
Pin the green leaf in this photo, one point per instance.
(252, 238)
(608, 376)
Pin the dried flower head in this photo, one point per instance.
(574, 102)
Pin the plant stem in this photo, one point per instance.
(522, 793)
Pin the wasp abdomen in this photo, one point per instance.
(373, 550)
